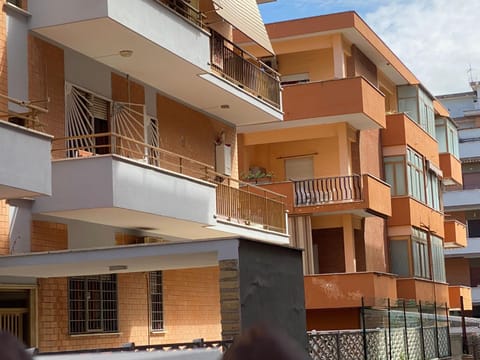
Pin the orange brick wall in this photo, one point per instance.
(47, 236)
(4, 228)
(47, 79)
(191, 310)
(191, 134)
(3, 63)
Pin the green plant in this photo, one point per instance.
(256, 174)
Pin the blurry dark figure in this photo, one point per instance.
(262, 343)
(11, 348)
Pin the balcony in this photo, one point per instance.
(125, 183)
(346, 290)
(451, 168)
(407, 211)
(401, 130)
(422, 290)
(352, 100)
(455, 234)
(454, 294)
(476, 295)
(362, 194)
(460, 200)
(25, 159)
(168, 49)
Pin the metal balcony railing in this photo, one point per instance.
(11, 320)
(237, 201)
(244, 69)
(185, 10)
(328, 190)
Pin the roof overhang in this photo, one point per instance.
(119, 259)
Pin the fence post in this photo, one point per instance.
(436, 328)
(421, 329)
(364, 332)
(464, 328)
(405, 329)
(389, 315)
(448, 331)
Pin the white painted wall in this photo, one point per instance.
(461, 199)
(25, 159)
(87, 73)
(20, 221)
(469, 149)
(17, 59)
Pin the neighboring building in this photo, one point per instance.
(357, 158)
(462, 203)
(121, 215)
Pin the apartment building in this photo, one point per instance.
(462, 203)
(122, 217)
(361, 159)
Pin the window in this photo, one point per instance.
(433, 191)
(156, 300)
(473, 228)
(420, 254)
(416, 182)
(447, 136)
(93, 304)
(399, 257)
(438, 259)
(395, 174)
(299, 168)
(418, 105)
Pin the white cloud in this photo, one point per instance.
(436, 39)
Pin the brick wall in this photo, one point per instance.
(4, 229)
(47, 79)
(192, 134)
(48, 236)
(191, 310)
(3, 63)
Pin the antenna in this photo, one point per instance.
(470, 73)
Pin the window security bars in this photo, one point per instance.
(156, 300)
(92, 304)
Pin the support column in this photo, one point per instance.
(338, 57)
(349, 244)
(344, 150)
(230, 298)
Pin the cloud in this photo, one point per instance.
(436, 39)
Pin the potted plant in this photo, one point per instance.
(257, 175)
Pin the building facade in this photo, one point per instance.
(362, 160)
(462, 203)
(122, 217)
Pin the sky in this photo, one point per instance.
(438, 40)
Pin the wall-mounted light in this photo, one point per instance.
(126, 53)
(117, 267)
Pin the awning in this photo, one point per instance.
(245, 16)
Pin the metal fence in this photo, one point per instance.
(401, 330)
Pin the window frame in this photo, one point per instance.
(416, 175)
(81, 324)
(156, 308)
(394, 187)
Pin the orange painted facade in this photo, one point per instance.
(455, 234)
(344, 97)
(346, 290)
(455, 295)
(451, 167)
(422, 290)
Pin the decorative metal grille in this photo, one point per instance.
(415, 350)
(443, 342)
(93, 304)
(429, 335)
(156, 300)
(128, 120)
(323, 346)
(351, 346)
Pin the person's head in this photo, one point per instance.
(11, 348)
(261, 343)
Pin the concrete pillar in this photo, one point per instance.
(344, 150)
(230, 298)
(338, 57)
(349, 243)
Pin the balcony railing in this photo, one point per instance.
(244, 69)
(237, 201)
(11, 320)
(185, 10)
(328, 190)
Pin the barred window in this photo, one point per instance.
(156, 300)
(93, 304)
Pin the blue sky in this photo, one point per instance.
(436, 39)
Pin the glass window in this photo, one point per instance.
(447, 136)
(416, 182)
(473, 228)
(418, 105)
(395, 174)
(421, 267)
(433, 191)
(156, 300)
(399, 257)
(438, 259)
(92, 304)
